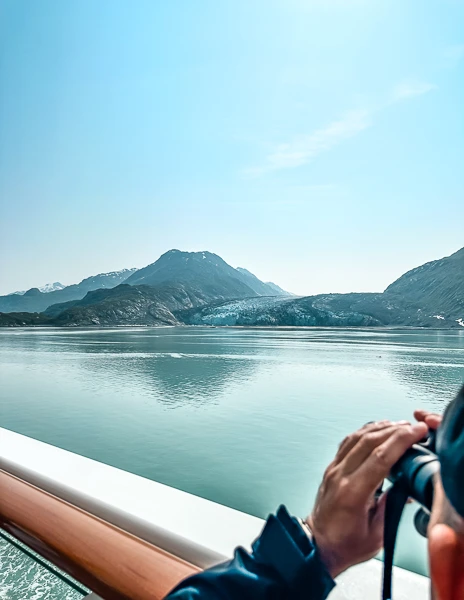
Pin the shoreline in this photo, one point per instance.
(458, 327)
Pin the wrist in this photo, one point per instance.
(285, 545)
(327, 557)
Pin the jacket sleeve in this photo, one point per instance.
(284, 564)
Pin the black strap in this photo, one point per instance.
(396, 500)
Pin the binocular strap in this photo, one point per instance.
(396, 500)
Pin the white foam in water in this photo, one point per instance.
(23, 579)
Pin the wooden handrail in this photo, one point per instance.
(114, 564)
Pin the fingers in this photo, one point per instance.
(350, 441)
(364, 447)
(432, 420)
(420, 414)
(385, 455)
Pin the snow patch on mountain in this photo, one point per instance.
(106, 280)
(45, 289)
(51, 287)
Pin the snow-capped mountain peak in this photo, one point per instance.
(48, 287)
(51, 287)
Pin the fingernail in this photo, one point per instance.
(403, 422)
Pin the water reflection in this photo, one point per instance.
(171, 368)
(431, 367)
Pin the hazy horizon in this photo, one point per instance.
(317, 143)
(206, 250)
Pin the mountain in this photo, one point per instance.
(199, 288)
(176, 304)
(278, 290)
(130, 305)
(159, 294)
(210, 276)
(431, 295)
(208, 270)
(332, 310)
(25, 319)
(123, 305)
(48, 287)
(106, 280)
(437, 286)
(51, 287)
(35, 300)
(260, 288)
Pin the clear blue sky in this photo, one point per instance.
(318, 143)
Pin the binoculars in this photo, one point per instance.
(415, 472)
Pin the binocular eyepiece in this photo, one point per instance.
(415, 472)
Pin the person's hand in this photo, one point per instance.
(348, 517)
(432, 420)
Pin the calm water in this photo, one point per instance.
(248, 418)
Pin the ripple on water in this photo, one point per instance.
(23, 579)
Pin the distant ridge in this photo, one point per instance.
(431, 295)
(48, 287)
(200, 288)
(210, 275)
(36, 300)
(278, 289)
(262, 289)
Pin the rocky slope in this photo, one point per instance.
(259, 287)
(437, 286)
(278, 290)
(25, 319)
(123, 305)
(344, 310)
(131, 305)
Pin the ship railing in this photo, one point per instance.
(114, 535)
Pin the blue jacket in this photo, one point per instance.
(284, 564)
